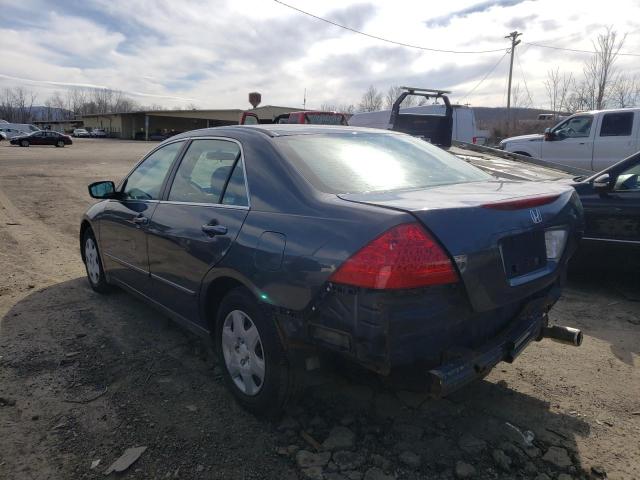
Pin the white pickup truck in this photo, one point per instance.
(591, 140)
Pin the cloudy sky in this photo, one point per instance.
(213, 52)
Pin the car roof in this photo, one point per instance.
(281, 130)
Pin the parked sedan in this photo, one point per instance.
(289, 242)
(98, 133)
(80, 132)
(611, 200)
(42, 137)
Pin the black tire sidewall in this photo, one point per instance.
(276, 389)
(60, 144)
(24, 143)
(102, 286)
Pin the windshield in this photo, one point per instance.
(359, 162)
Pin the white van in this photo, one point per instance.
(464, 121)
(591, 140)
(15, 129)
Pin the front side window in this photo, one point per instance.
(145, 183)
(206, 170)
(617, 124)
(575, 127)
(359, 162)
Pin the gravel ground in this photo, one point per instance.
(84, 377)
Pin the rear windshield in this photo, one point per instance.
(359, 162)
(325, 118)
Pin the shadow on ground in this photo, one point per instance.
(105, 373)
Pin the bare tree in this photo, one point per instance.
(393, 92)
(557, 87)
(83, 101)
(338, 107)
(520, 98)
(626, 91)
(371, 100)
(600, 71)
(16, 105)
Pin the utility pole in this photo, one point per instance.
(514, 42)
(304, 100)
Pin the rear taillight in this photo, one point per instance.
(403, 257)
(520, 203)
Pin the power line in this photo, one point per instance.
(485, 76)
(532, 44)
(418, 47)
(430, 49)
(524, 78)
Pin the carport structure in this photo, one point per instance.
(142, 124)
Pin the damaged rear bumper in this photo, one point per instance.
(453, 375)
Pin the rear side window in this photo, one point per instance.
(146, 180)
(204, 171)
(617, 124)
(358, 162)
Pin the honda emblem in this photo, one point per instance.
(536, 216)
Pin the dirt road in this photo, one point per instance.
(83, 377)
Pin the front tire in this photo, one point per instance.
(24, 143)
(93, 263)
(60, 144)
(255, 367)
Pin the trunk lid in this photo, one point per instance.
(500, 253)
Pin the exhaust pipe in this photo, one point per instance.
(567, 335)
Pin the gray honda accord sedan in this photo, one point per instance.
(287, 243)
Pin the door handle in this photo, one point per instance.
(213, 230)
(140, 220)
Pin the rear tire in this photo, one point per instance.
(253, 360)
(93, 263)
(24, 143)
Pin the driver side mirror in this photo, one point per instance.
(549, 136)
(102, 190)
(602, 183)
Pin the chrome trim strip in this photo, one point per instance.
(126, 264)
(172, 284)
(199, 204)
(593, 239)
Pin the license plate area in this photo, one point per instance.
(523, 253)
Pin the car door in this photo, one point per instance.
(124, 222)
(614, 215)
(37, 138)
(570, 142)
(195, 225)
(615, 140)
